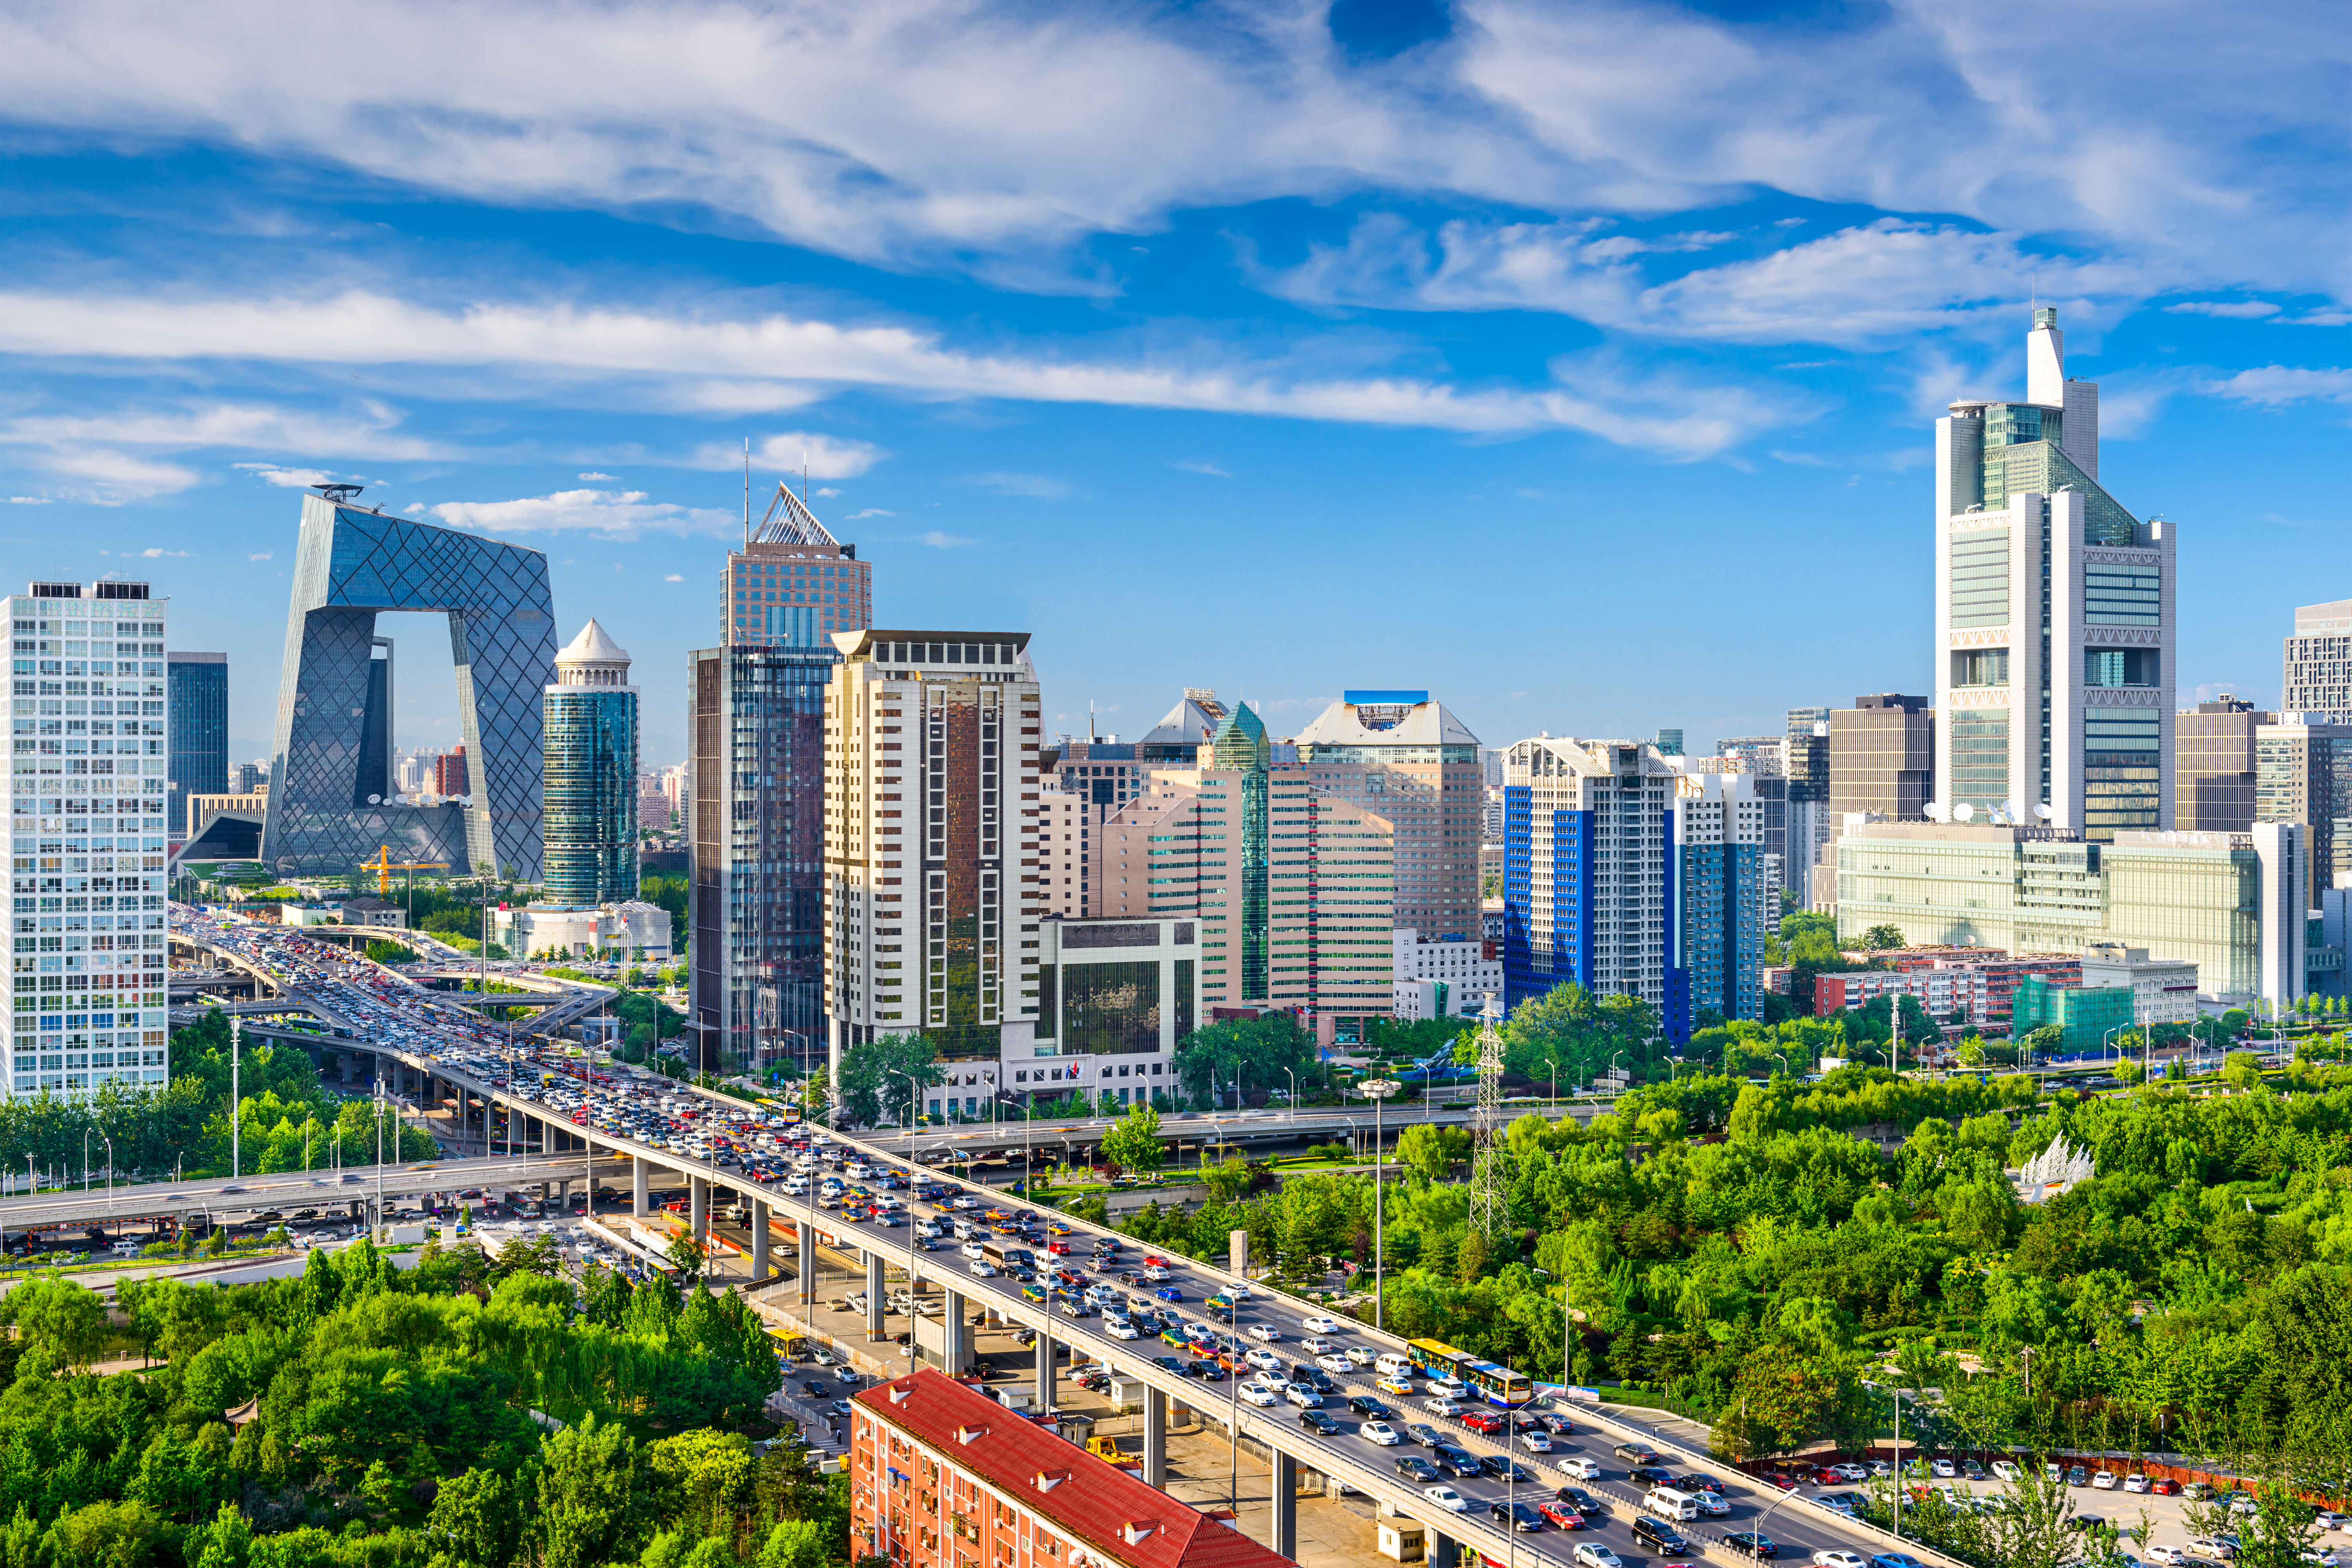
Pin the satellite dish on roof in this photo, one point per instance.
(1965, 812)
(2010, 809)
(375, 799)
(2042, 809)
(1934, 811)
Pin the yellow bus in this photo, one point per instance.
(1497, 1385)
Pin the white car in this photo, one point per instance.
(1265, 1334)
(1711, 1503)
(1593, 1554)
(980, 1268)
(2104, 1481)
(1582, 1469)
(1535, 1442)
(1447, 1497)
(1838, 1558)
(2323, 1555)
(1305, 1398)
(971, 1249)
(1357, 1356)
(2005, 1470)
(1264, 1360)
(2171, 1555)
(2324, 1519)
(1257, 1394)
(1120, 1328)
(1316, 1346)
(1335, 1362)
(1943, 1469)
(1238, 1290)
(1379, 1432)
(1321, 1325)
(2135, 1482)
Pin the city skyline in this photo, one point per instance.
(1015, 346)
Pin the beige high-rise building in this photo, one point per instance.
(2213, 766)
(930, 815)
(1405, 759)
(1881, 762)
(1293, 885)
(1066, 825)
(2318, 664)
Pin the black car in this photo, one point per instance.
(1365, 1404)
(1314, 1377)
(1637, 1453)
(1699, 1484)
(1461, 1461)
(1501, 1467)
(817, 1389)
(1413, 1468)
(1531, 1421)
(1579, 1499)
(1518, 1515)
(1650, 1475)
(1749, 1544)
(1664, 1537)
(1319, 1423)
(1168, 1363)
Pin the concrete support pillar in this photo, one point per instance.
(1155, 1438)
(808, 1264)
(873, 1301)
(1285, 1532)
(697, 1209)
(1444, 1552)
(1047, 1394)
(641, 1200)
(759, 1240)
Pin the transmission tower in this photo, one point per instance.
(1490, 1203)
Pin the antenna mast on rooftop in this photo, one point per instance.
(747, 493)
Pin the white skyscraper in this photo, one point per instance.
(89, 750)
(2053, 616)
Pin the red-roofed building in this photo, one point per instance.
(943, 1477)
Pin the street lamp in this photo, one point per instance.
(1377, 1091)
(1293, 1117)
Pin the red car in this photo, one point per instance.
(1058, 1249)
(2165, 1486)
(1560, 1514)
(1486, 1422)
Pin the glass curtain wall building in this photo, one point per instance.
(90, 742)
(331, 764)
(1239, 748)
(2053, 616)
(199, 704)
(590, 836)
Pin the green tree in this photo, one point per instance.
(1879, 938)
(478, 1517)
(686, 1254)
(593, 1496)
(1430, 1151)
(874, 1077)
(1132, 1144)
(59, 1320)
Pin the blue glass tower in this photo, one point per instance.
(199, 699)
(589, 834)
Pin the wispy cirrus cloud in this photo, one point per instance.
(824, 456)
(614, 514)
(1029, 487)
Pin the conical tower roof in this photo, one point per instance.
(1240, 741)
(592, 658)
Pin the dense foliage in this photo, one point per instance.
(469, 1413)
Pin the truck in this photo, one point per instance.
(1126, 1458)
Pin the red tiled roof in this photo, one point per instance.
(1095, 1505)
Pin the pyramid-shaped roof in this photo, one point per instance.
(595, 645)
(1355, 723)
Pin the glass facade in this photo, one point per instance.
(2303, 774)
(1979, 756)
(2123, 770)
(352, 563)
(1241, 744)
(2123, 595)
(199, 702)
(590, 831)
(1110, 1009)
(2039, 467)
(1980, 577)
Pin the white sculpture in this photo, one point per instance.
(2054, 1171)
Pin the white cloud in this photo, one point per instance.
(828, 458)
(674, 577)
(1033, 486)
(2238, 310)
(939, 541)
(262, 556)
(157, 552)
(1200, 465)
(568, 343)
(109, 478)
(289, 478)
(29, 500)
(2279, 386)
(870, 511)
(607, 478)
(614, 514)
(827, 490)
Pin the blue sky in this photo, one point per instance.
(1576, 361)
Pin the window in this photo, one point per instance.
(1980, 577)
(2122, 596)
(2120, 666)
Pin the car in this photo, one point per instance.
(1413, 1468)
(1747, 1544)
(1258, 1394)
(1298, 1393)
(1120, 1328)
(1359, 1356)
(1425, 1435)
(2104, 1480)
(1460, 1460)
(1168, 1293)
(2196, 1491)
(1583, 1501)
(1562, 1514)
(1712, 1502)
(1847, 1503)
(1321, 1325)
(980, 1268)
(1263, 1333)
(1636, 1453)
(2326, 1520)
(1319, 1423)
(2163, 1485)
(2213, 1549)
(1593, 1554)
(1335, 1362)
(1895, 1560)
(2134, 1482)
(1206, 1371)
(1650, 1475)
(1660, 1537)
(1264, 1360)
(1365, 1404)
(2006, 1471)
(1943, 1469)
(1440, 1405)
(817, 1389)
(2243, 1504)
(1699, 1484)
(1486, 1422)
(1314, 1346)
(1536, 1442)
(1379, 1432)
(1849, 1472)
(1582, 1469)
(1503, 1467)
(2076, 1476)
(1447, 1497)
(2325, 1556)
(2164, 1552)
(1515, 1516)
(1838, 1557)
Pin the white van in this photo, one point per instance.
(1668, 1503)
(1393, 1365)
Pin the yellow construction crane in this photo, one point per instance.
(383, 866)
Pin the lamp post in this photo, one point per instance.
(1784, 1062)
(110, 1171)
(1377, 1091)
(1293, 1117)
(236, 1101)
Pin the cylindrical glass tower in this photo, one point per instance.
(589, 834)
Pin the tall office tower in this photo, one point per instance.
(1669, 743)
(199, 700)
(250, 777)
(1399, 755)
(1805, 762)
(755, 811)
(449, 773)
(653, 805)
(1882, 764)
(930, 812)
(1756, 754)
(1722, 899)
(2053, 614)
(1066, 833)
(2319, 663)
(589, 839)
(91, 724)
(2213, 766)
(1587, 885)
(1105, 771)
(408, 774)
(2303, 773)
(330, 777)
(793, 583)
(1292, 883)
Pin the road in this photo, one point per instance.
(284, 1190)
(671, 1126)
